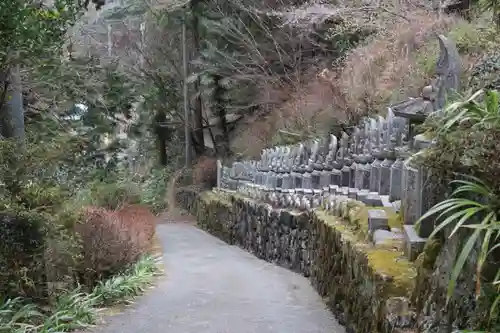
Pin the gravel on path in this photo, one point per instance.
(212, 287)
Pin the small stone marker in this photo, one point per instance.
(352, 193)
(382, 236)
(333, 189)
(377, 219)
(397, 206)
(385, 201)
(373, 199)
(413, 243)
(345, 191)
(361, 195)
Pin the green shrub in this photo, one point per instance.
(22, 242)
(73, 310)
(109, 195)
(486, 73)
(17, 316)
(37, 248)
(38, 196)
(474, 38)
(154, 190)
(467, 133)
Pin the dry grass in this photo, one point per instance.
(308, 110)
(205, 172)
(173, 211)
(394, 65)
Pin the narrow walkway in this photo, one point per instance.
(212, 287)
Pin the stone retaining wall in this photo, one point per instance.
(366, 286)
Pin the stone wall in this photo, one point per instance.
(343, 209)
(367, 286)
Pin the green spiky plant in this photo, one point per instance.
(75, 309)
(479, 109)
(16, 316)
(473, 204)
(458, 211)
(132, 282)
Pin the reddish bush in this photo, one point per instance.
(141, 221)
(205, 172)
(113, 239)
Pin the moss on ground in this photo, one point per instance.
(209, 196)
(392, 264)
(358, 216)
(348, 232)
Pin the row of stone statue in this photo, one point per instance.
(372, 164)
(370, 159)
(375, 138)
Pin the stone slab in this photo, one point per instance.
(385, 201)
(382, 236)
(352, 193)
(413, 243)
(361, 195)
(373, 199)
(377, 219)
(333, 189)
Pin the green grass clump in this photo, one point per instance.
(77, 309)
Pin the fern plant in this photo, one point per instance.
(458, 212)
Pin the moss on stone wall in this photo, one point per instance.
(367, 287)
(359, 279)
(425, 266)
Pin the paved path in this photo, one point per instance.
(212, 287)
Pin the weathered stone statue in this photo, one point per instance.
(448, 69)
(433, 96)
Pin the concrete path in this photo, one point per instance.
(212, 287)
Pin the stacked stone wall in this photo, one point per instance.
(366, 286)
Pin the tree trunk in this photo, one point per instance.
(11, 107)
(161, 137)
(199, 142)
(220, 111)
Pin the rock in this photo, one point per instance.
(381, 237)
(413, 243)
(377, 219)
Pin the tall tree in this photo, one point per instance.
(31, 33)
(199, 142)
(219, 107)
